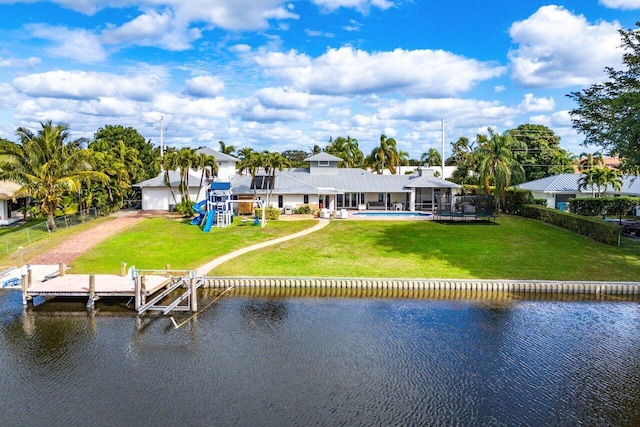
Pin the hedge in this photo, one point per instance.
(515, 199)
(272, 214)
(597, 206)
(601, 231)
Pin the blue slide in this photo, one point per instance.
(197, 208)
(208, 222)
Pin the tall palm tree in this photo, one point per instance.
(208, 165)
(187, 159)
(384, 156)
(273, 161)
(590, 160)
(347, 149)
(226, 149)
(168, 163)
(497, 164)
(250, 162)
(47, 165)
(431, 157)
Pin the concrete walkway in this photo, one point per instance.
(206, 268)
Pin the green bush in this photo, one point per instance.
(304, 210)
(515, 199)
(271, 214)
(601, 231)
(185, 208)
(598, 206)
(540, 202)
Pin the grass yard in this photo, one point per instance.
(155, 242)
(515, 248)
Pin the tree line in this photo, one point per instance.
(62, 175)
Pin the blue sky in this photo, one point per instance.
(277, 75)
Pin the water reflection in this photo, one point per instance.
(270, 360)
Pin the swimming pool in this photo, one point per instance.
(391, 214)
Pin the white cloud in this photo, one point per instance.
(348, 71)
(204, 86)
(621, 4)
(316, 33)
(87, 85)
(532, 103)
(153, 29)
(283, 98)
(79, 45)
(466, 112)
(557, 49)
(19, 63)
(362, 6)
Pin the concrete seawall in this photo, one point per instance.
(484, 286)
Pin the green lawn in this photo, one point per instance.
(155, 242)
(515, 248)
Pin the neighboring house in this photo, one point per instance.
(558, 189)
(9, 204)
(156, 195)
(324, 185)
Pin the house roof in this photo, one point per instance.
(346, 180)
(568, 183)
(8, 189)
(174, 179)
(323, 157)
(220, 157)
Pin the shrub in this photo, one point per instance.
(597, 206)
(271, 214)
(185, 208)
(515, 199)
(601, 231)
(540, 202)
(304, 210)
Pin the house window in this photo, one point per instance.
(323, 163)
(340, 200)
(280, 201)
(305, 199)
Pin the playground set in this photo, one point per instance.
(217, 208)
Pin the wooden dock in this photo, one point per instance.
(53, 281)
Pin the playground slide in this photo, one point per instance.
(197, 208)
(208, 222)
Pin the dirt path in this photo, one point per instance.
(75, 246)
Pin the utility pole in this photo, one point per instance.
(161, 138)
(442, 123)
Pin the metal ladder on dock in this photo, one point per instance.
(191, 284)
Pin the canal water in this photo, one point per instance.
(280, 361)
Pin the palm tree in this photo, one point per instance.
(47, 165)
(497, 164)
(273, 161)
(168, 162)
(186, 160)
(431, 158)
(208, 165)
(250, 161)
(226, 149)
(347, 149)
(598, 179)
(384, 156)
(590, 160)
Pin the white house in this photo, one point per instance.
(157, 195)
(324, 185)
(558, 189)
(9, 205)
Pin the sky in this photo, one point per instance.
(287, 75)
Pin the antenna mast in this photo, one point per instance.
(442, 123)
(161, 138)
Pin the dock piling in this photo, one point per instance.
(61, 269)
(123, 269)
(92, 291)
